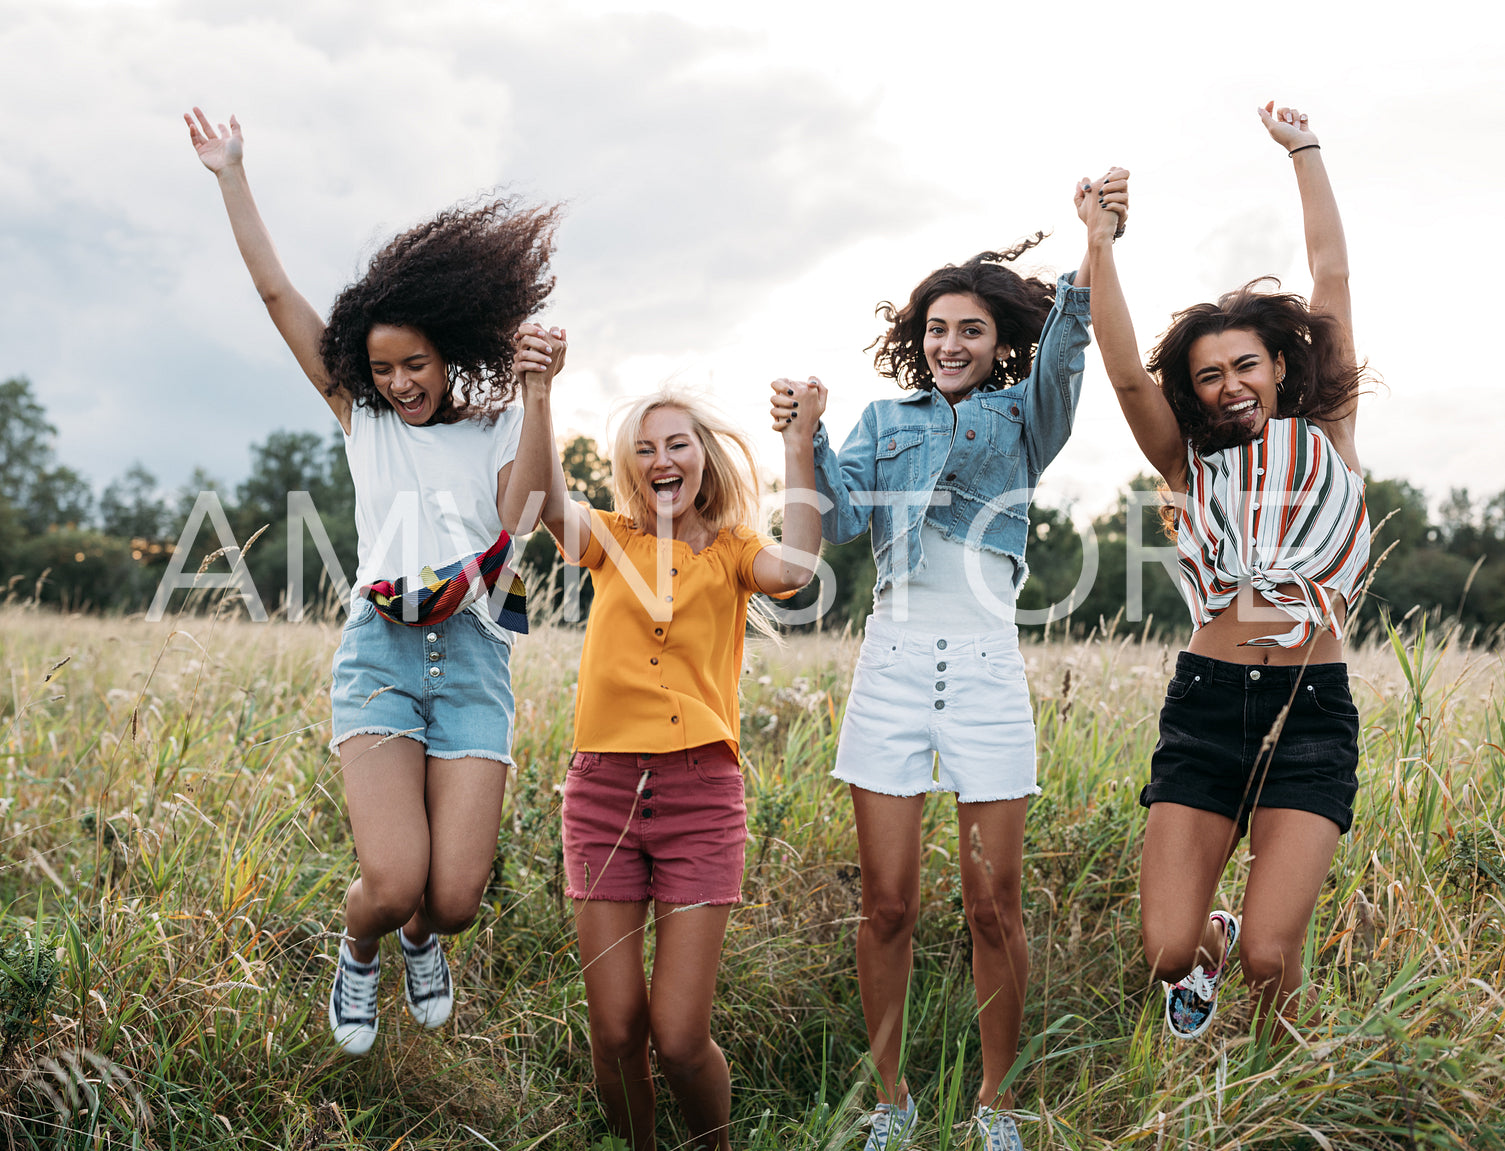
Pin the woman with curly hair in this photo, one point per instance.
(417, 363)
(654, 820)
(1246, 407)
(943, 478)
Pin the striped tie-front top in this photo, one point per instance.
(1282, 509)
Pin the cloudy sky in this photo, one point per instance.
(744, 183)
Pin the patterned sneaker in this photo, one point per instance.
(889, 1126)
(352, 1002)
(430, 992)
(1191, 1004)
(997, 1130)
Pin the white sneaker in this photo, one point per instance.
(997, 1130)
(427, 985)
(889, 1126)
(352, 1002)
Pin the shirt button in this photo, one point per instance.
(668, 599)
(673, 571)
(940, 704)
(1014, 410)
(647, 793)
(1254, 674)
(433, 671)
(433, 637)
(658, 631)
(1259, 471)
(674, 719)
(941, 666)
(647, 755)
(892, 444)
(971, 435)
(940, 643)
(647, 813)
(654, 660)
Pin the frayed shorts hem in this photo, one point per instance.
(415, 734)
(474, 753)
(720, 901)
(937, 788)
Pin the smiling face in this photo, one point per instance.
(671, 463)
(407, 370)
(961, 344)
(1236, 381)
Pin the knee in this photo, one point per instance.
(1268, 961)
(618, 1040)
(681, 1053)
(1170, 959)
(888, 916)
(451, 912)
(390, 898)
(996, 918)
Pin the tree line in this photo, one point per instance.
(61, 545)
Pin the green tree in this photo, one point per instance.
(42, 493)
(131, 508)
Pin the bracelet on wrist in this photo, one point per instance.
(1303, 148)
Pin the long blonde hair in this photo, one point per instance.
(729, 487)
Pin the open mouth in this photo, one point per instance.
(410, 405)
(667, 487)
(953, 367)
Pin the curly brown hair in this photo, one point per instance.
(1018, 306)
(465, 279)
(1321, 377)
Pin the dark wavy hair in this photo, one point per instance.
(1321, 378)
(465, 279)
(1018, 306)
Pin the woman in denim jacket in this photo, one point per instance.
(943, 477)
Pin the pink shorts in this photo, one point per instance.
(670, 827)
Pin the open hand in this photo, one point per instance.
(1103, 205)
(1287, 126)
(218, 150)
(797, 405)
(538, 353)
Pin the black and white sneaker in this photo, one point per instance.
(352, 1002)
(430, 991)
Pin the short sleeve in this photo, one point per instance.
(750, 543)
(601, 524)
(506, 435)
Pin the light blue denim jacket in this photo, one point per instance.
(970, 470)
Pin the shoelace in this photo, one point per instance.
(997, 1140)
(357, 993)
(887, 1115)
(425, 969)
(1200, 984)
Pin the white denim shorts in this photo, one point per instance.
(939, 713)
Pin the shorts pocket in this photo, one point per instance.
(1333, 700)
(877, 654)
(361, 614)
(1180, 687)
(718, 771)
(584, 762)
(1003, 665)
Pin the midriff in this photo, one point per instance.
(1250, 616)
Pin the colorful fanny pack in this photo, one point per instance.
(439, 594)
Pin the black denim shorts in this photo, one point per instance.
(1214, 723)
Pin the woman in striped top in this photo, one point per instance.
(1246, 408)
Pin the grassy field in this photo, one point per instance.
(173, 854)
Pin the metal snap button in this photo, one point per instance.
(433, 637)
(433, 656)
(940, 643)
(971, 435)
(433, 671)
(1254, 674)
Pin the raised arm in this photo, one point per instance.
(1326, 247)
(524, 485)
(796, 408)
(222, 152)
(1154, 425)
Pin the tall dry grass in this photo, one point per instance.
(173, 853)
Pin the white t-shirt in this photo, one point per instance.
(425, 496)
(954, 593)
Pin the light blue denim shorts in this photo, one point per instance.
(939, 713)
(447, 685)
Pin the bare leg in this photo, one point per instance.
(888, 851)
(1185, 851)
(616, 995)
(464, 802)
(991, 865)
(384, 795)
(687, 952)
(1293, 852)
